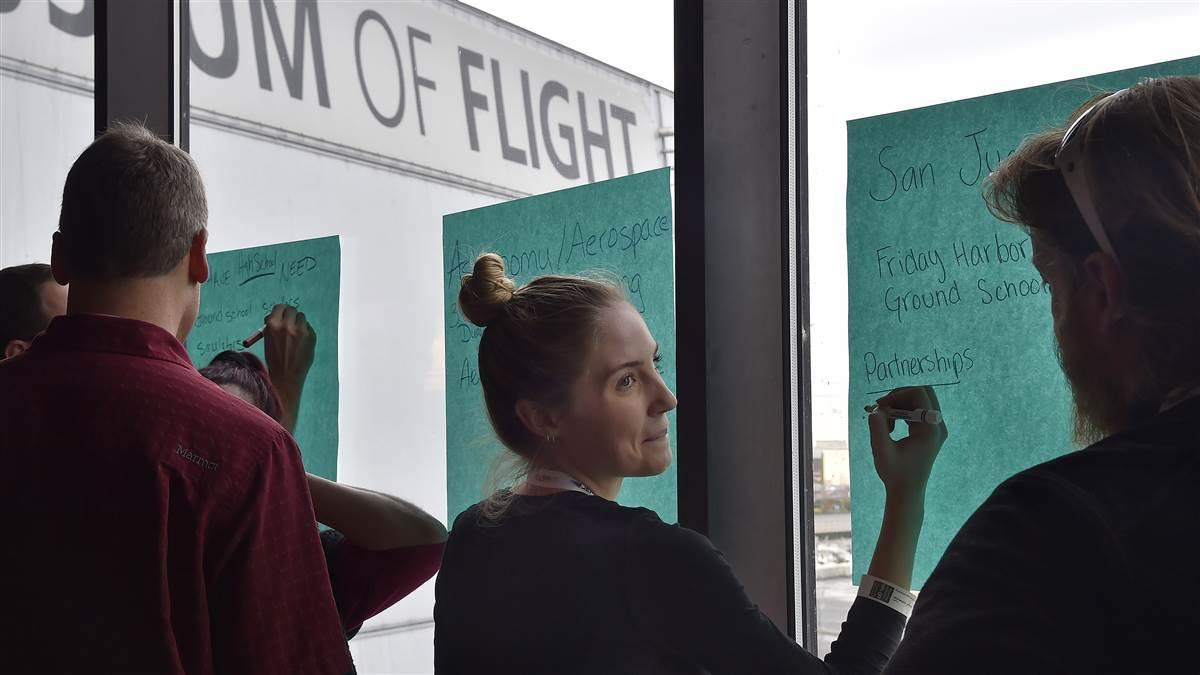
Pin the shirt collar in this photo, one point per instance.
(113, 334)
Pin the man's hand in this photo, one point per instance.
(290, 344)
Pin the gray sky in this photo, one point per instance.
(637, 36)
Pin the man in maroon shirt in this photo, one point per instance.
(380, 548)
(166, 527)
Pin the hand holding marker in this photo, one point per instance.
(281, 313)
(919, 415)
(905, 464)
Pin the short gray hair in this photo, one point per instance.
(132, 204)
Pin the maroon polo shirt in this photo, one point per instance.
(163, 525)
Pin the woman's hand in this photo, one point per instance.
(904, 465)
(290, 347)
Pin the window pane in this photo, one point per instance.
(46, 118)
(370, 120)
(869, 58)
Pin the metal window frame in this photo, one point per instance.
(805, 579)
(690, 262)
(745, 461)
(142, 65)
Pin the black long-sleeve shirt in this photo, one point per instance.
(1089, 563)
(576, 584)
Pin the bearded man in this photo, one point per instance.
(1090, 563)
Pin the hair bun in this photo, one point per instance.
(486, 290)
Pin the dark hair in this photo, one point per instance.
(533, 345)
(131, 205)
(22, 314)
(1143, 153)
(246, 371)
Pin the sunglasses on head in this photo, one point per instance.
(1070, 160)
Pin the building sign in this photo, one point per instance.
(432, 83)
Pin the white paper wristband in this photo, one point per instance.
(887, 593)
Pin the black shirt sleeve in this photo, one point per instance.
(683, 592)
(331, 544)
(1022, 588)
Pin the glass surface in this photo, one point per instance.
(871, 57)
(370, 120)
(46, 117)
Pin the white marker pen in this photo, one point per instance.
(918, 415)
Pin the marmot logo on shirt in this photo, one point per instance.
(195, 459)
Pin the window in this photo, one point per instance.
(46, 117)
(371, 120)
(869, 58)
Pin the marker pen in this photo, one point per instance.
(254, 337)
(918, 415)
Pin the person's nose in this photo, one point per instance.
(665, 402)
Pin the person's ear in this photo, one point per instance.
(14, 347)
(540, 422)
(197, 259)
(60, 266)
(1104, 280)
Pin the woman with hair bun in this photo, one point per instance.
(552, 575)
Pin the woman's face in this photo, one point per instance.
(616, 421)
